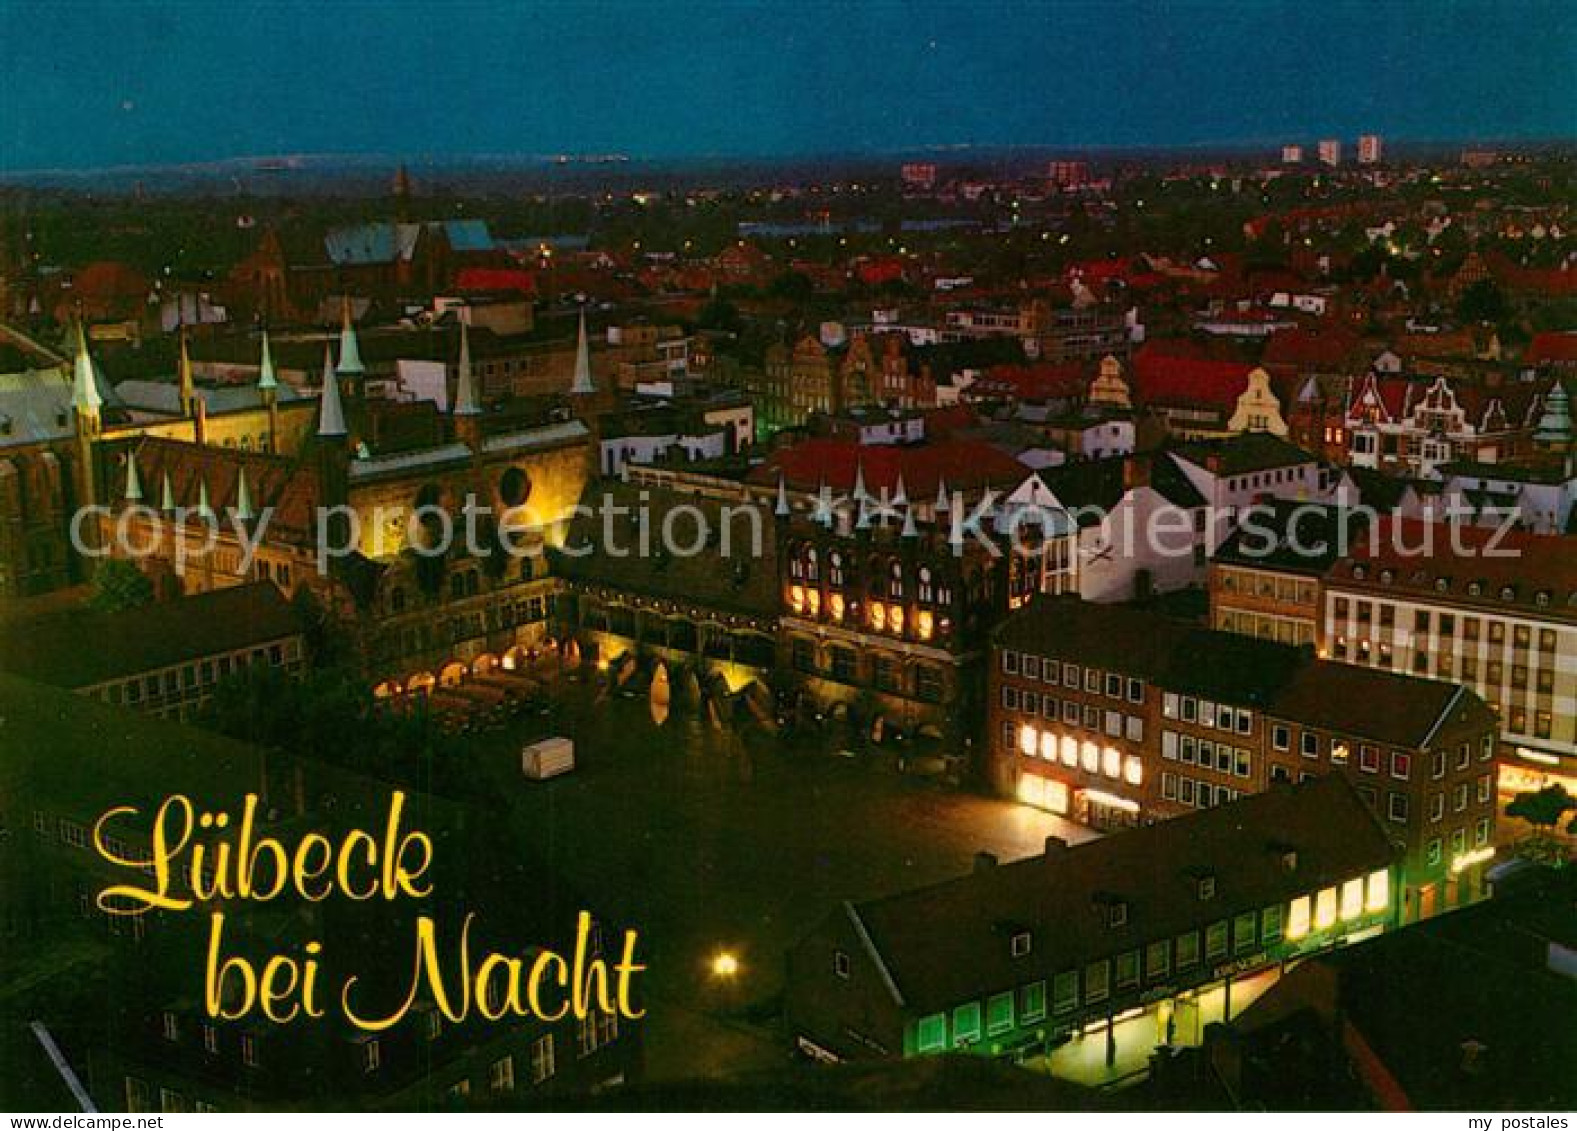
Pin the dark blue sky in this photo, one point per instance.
(101, 83)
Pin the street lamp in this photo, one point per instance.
(724, 965)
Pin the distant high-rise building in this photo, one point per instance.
(1331, 152)
(919, 174)
(1370, 148)
(1068, 174)
(1292, 155)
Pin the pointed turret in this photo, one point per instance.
(331, 413)
(860, 494)
(167, 495)
(267, 379)
(186, 379)
(349, 348)
(466, 400)
(85, 397)
(782, 508)
(910, 530)
(243, 498)
(942, 501)
(268, 389)
(582, 386)
(205, 508)
(1554, 431)
(900, 496)
(133, 493)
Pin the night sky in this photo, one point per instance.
(86, 85)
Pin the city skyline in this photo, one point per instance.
(191, 84)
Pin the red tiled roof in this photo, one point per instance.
(1422, 554)
(496, 279)
(110, 279)
(1300, 348)
(1163, 379)
(290, 489)
(1037, 382)
(962, 463)
(1552, 346)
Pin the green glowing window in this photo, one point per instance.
(1128, 970)
(1097, 981)
(1188, 950)
(1032, 1002)
(999, 1013)
(1216, 940)
(932, 1035)
(1270, 924)
(1243, 936)
(1157, 960)
(1065, 991)
(966, 1023)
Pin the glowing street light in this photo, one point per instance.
(724, 965)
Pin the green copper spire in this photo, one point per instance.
(133, 480)
(466, 402)
(85, 397)
(167, 496)
(331, 413)
(243, 498)
(582, 385)
(266, 378)
(349, 348)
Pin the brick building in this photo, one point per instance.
(1119, 717)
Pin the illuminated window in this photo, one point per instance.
(1065, 991)
(1028, 740)
(1032, 1002)
(1379, 897)
(1133, 770)
(999, 1013)
(1097, 982)
(932, 1034)
(1111, 763)
(1090, 757)
(1325, 908)
(1298, 918)
(966, 1023)
(1352, 899)
(925, 624)
(835, 606)
(1070, 750)
(1048, 746)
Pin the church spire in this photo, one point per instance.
(349, 348)
(167, 495)
(582, 386)
(331, 413)
(466, 401)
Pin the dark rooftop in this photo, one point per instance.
(83, 646)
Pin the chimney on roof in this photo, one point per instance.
(1055, 845)
(1136, 472)
(985, 861)
(1213, 463)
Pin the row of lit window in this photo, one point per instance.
(1092, 759)
(880, 617)
(1343, 903)
(1115, 724)
(1191, 751)
(1154, 963)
